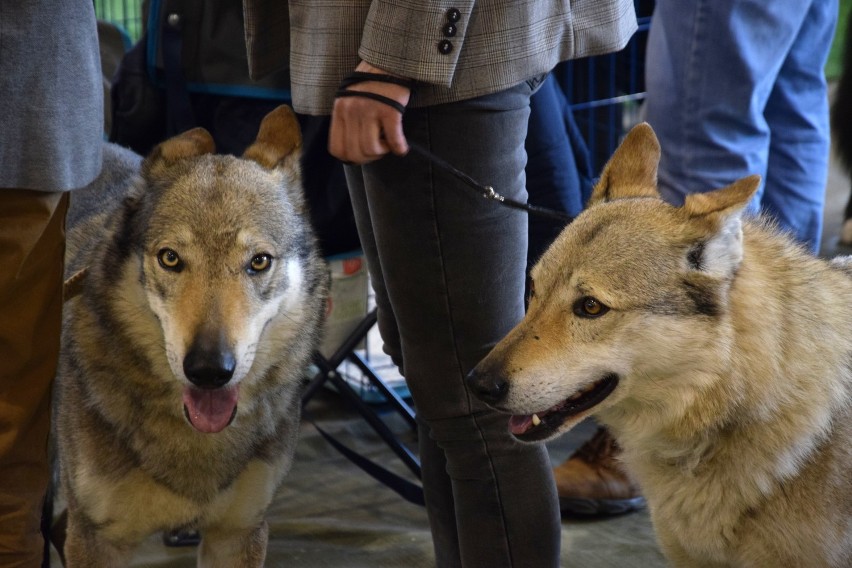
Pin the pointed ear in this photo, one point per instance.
(632, 169)
(718, 202)
(720, 213)
(279, 137)
(195, 142)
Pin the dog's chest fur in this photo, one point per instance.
(765, 447)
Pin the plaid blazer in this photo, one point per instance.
(455, 50)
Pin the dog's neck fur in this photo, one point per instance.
(720, 442)
(695, 436)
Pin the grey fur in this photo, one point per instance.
(131, 462)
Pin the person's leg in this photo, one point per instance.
(433, 462)
(798, 116)
(448, 266)
(554, 177)
(32, 249)
(711, 67)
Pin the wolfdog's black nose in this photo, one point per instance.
(487, 386)
(209, 363)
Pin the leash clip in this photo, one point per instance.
(491, 194)
(487, 191)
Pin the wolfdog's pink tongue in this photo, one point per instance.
(210, 411)
(520, 424)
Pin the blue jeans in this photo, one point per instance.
(736, 87)
(448, 269)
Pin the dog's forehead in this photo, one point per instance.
(225, 199)
(625, 239)
(224, 184)
(229, 173)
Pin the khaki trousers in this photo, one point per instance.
(32, 249)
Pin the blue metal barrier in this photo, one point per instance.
(606, 91)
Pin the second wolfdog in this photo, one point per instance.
(178, 392)
(716, 350)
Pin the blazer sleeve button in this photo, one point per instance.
(450, 30)
(453, 15)
(445, 46)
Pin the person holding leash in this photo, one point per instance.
(447, 265)
(50, 142)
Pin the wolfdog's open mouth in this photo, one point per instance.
(210, 410)
(538, 426)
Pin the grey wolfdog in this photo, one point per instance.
(717, 351)
(177, 402)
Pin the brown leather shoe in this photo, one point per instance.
(593, 482)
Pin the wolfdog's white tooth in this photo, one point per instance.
(536, 420)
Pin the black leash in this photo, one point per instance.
(485, 191)
(409, 491)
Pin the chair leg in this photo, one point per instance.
(390, 395)
(407, 457)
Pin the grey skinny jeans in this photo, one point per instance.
(448, 270)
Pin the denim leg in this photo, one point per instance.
(712, 73)
(798, 116)
(448, 268)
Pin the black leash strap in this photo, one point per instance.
(374, 96)
(407, 490)
(487, 191)
(361, 77)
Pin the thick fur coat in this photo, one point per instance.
(178, 394)
(716, 350)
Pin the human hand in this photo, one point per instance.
(364, 130)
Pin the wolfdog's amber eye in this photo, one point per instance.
(589, 307)
(169, 260)
(259, 263)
